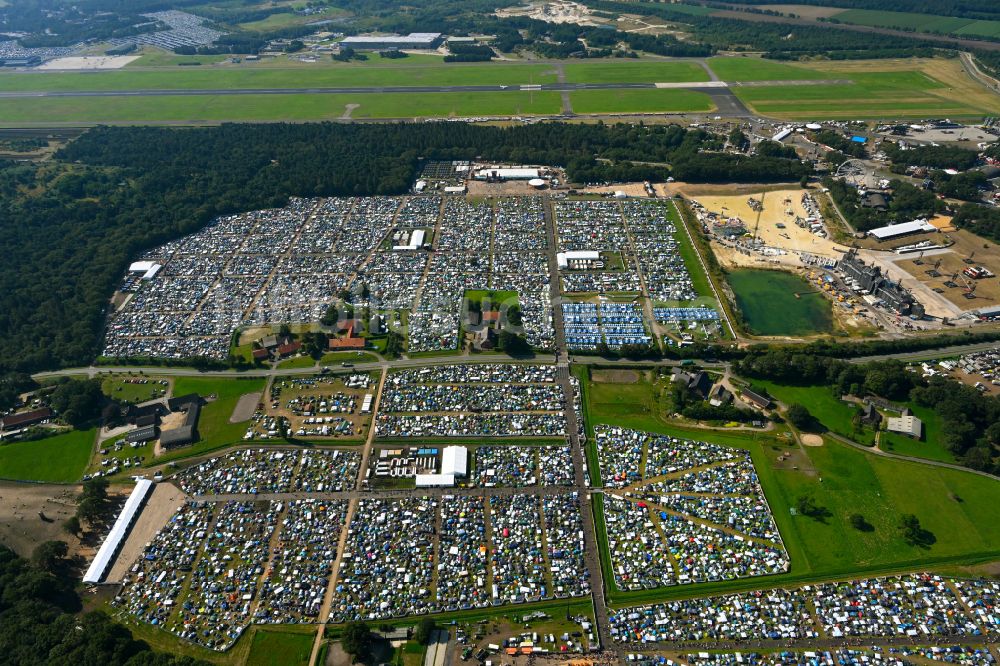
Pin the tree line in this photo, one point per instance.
(41, 622)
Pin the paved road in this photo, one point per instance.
(712, 88)
(942, 352)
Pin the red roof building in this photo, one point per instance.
(25, 419)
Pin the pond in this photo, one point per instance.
(778, 303)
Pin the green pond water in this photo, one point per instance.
(769, 306)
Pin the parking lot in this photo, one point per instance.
(288, 265)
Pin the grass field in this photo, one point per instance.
(640, 101)
(58, 459)
(298, 362)
(921, 22)
(273, 647)
(824, 406)
(334, 76)
(878, 89)
(634, 72)
(120, 388)
(214, 426)
(738, 68)
(953, 505)
(212, 108)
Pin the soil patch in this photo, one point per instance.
(21, 528)
(615, 376)
(812, 440)
(245, 408)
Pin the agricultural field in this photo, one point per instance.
(640, 101)
(220, 108)
(57, 459)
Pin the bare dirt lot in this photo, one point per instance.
(162, 504)
(615, 376)
(21, 528)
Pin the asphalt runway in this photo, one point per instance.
(707, 87)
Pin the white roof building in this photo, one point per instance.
(455, 461)
(119, 531)
(906, 425)
(435, 480)
(563, 258)
(895, 230)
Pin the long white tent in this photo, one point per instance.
(119, 531)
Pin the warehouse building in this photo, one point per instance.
(414, 40)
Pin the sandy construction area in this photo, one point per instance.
(88, 62)
(162, 504)
(781, 207)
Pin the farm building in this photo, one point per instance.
(187, 432)
(907, 424)
(25, 419)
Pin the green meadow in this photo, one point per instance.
(250, 107)
(335, 76)
(57, 459)
(630, 71)
(640, 101)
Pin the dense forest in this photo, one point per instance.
(72, 224)
(40, 620)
